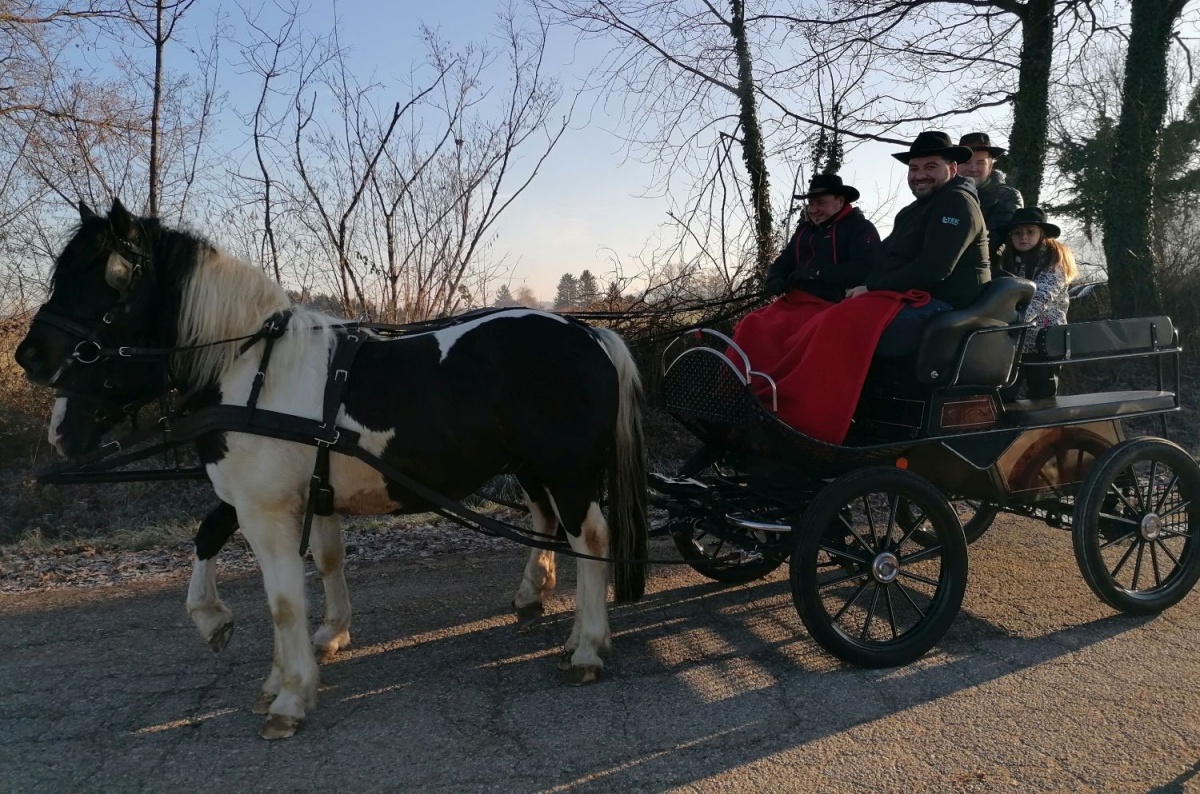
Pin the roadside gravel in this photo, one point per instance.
(100, 564)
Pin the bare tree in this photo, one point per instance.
(405, 202)
(157, 20)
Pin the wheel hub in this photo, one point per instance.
(885, 567)
(1151, 526)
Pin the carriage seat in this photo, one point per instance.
(987, 358)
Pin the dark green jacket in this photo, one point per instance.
(998, 200)
(938, 244)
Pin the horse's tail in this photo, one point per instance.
(627, 519)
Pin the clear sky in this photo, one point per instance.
(589, 205)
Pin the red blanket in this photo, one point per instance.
(818, 354)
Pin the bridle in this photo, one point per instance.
(89, 330)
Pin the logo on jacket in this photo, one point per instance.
(949, 220)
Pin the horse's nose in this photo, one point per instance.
(30, 358)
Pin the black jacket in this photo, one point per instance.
(829, 259)
(938, 244)
(998, 200)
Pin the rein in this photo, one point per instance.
(242, 419)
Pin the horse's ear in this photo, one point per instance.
(86, 212)
(121, 221)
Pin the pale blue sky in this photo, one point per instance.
(588, 205)
(590, 201)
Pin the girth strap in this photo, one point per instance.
(320, 491)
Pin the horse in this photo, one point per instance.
(546, 398)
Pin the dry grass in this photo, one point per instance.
(128, 514)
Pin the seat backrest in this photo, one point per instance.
(987, 358)
(1104, 338)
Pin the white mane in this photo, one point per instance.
(226, 298)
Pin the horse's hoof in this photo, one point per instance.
(578, 676)
(279, 726)
(529, 614)
(564, 660)
(220, 637)
(326, 643)
(262, 703)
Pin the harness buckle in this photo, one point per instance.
(79, 356)
(113, 443)
(125, 352)
(328, 442)
(341, 374)
(108, 318)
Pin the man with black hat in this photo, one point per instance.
(832, 250)
(997, 199)
(938, 243)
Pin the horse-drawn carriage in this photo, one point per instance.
(355, 419)
(876, 529)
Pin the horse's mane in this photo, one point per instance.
(225, 298)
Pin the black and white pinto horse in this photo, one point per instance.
(548, 399)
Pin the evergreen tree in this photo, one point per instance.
(1087, 164)
(588, 290)
(504, 297)
(567, 296)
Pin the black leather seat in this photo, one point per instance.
(987, 358)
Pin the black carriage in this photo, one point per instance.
(876, 530)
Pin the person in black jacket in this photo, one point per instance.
(998, 200)
(938, 243)
(834, 247)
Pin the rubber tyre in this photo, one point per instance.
(1114, 506)
(824, 557)
(730, 570)
(979, 522)
(974, 527)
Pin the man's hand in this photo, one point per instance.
(854, 292)
(774, 286)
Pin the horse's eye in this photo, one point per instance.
(118, 273)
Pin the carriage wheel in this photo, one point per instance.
(975, 516)
(1132, 525)
(723, 561)
(868, 590)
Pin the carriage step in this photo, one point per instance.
(756, 526)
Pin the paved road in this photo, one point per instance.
(1037, 687)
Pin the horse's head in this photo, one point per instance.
(102, 297)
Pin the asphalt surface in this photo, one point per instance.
(1038, 687)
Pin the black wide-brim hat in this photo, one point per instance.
(980, 142)
(933, 143)
(1030, 216)
(823, 184)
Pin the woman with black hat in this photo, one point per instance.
(1032, 251)
(832, 250)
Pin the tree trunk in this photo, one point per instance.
(1027, 141)
(753, 151)
(159, 44)
(1129, 208)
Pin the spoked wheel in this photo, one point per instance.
(974, 515)
(1132, 528)
(867, 589)
(725, 561)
